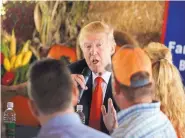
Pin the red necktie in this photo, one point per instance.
(95, 112)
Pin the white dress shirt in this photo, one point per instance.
(105, 76)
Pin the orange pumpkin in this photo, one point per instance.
(57, 51)
(23, 112)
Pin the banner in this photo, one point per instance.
(173, 33)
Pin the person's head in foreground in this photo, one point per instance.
(50, 89)
(132, 81)
(169, 88)
(133, 85)
(52, 99)
(97, 43)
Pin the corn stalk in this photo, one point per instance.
(48, 18)
(58, 22)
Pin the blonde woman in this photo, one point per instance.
(169, 87)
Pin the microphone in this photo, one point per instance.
(86, 73)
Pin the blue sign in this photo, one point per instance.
(174, 33)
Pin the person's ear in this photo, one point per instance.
(113, 50)
(75, 95)
(117, 88)
(33, 108)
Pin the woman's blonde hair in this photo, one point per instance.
(169, 87)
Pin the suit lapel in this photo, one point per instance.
(108, 93)
(86, 100)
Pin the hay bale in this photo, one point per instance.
(141, 19)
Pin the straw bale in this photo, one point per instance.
(141, 19)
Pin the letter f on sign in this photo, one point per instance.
(171, 45)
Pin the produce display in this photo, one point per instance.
(14, 62)
(20, 47)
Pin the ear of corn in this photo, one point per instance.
(18, 60)
(6, 64)
(12, 61)
(13, 44)
(26, 58)
(26, 46)
(7, 37)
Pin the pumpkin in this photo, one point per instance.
(57, 51)
(23, 112)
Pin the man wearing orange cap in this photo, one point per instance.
(140, 117)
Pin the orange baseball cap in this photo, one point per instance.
(129, 60)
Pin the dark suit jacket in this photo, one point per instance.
(76, 68)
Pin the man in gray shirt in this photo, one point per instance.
(53, 97)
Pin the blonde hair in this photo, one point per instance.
(169, 87)
(96, 27)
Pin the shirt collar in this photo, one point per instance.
(62, 120)
(149, 107)
(105, 76)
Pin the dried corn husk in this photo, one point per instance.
(37, 17)
(50, 21)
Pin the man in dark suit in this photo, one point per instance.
(97, 44)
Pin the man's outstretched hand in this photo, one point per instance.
(110, 117)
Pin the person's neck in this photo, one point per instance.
(135, 102)
(108, 68)
(45, 118)
(100, 73)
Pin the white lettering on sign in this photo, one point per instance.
(178, 49)
(171, 45)
(182, 65)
